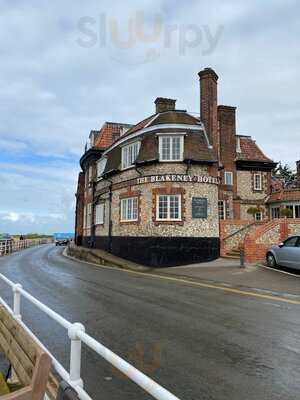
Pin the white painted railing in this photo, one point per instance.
(77, 336)
(10, 246)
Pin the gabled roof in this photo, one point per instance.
(109, 133)
(250, 150)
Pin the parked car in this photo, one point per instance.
(285, 254)
(62, 239)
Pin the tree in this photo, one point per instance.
(285, 172)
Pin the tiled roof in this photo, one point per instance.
(285, 195)
(250, 150)
(109, 133)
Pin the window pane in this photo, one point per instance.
(297, 211)
(176, 148)
(174, 207)
(166, 148)
(163, 207)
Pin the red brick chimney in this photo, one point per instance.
(162, 104)
(209, 105)
(227, 135)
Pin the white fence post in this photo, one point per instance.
(17, 300)
(75, 354)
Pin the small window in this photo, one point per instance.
(228, 178)
(129, 209)
(101, 164)
(99, 220)
(168, 208)
(222, 209)
(129, 154)
(258, 216)
(171, 148)
(257, 182)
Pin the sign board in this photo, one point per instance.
(199, 207)
(179, 178)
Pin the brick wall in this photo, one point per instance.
(257, 242)
(233, 232)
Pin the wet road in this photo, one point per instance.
(199, 343)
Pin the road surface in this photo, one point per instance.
(199, 343)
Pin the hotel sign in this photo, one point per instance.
(178, 178)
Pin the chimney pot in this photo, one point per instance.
(162, 104)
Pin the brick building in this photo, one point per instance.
(154, 192)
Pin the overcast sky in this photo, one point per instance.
(68, 66)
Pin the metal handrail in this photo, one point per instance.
(77, 335)
(10, 246)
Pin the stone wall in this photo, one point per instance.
(146, 226)
(232, 234)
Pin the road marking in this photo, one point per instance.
(279, 270)
(193, 283)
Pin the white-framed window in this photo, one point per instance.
(275, 212)
(168, 207)
(89, 215)
(295, 209)
(228, 178)
(222, 209)
(257, 182)
(99, 214)
(129, 209)
(129, 154)
(171, 147)
(258, 216)
(101, 166)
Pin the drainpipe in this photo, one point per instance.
(109, 218)
(93, 226)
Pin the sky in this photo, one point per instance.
(69, 66)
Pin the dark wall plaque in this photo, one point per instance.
(199, 207)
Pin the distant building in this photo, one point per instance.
(285, 196)
(154, 192)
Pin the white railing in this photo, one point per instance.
(77, 336)
(10, 246)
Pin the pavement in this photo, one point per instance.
(198, 336)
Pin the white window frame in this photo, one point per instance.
(128, 159)
(258, 187)
(168, 207)
(275, 211)
(226, 175)
(89, 215)
(99, 214)
(258, 216)
(125, 203)
(181, 147)
(101, 164)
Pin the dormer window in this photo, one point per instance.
(171, 147)
(101, 164)
(129, 154)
